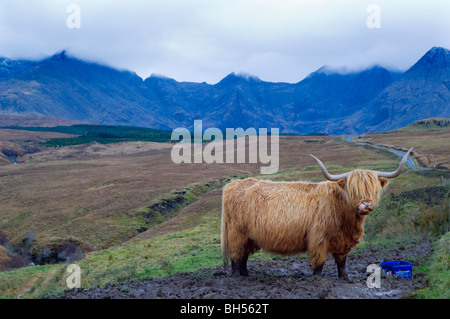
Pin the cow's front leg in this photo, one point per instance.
(239, 267)
(340, 263)
(317, 270)
(235, 268)
(243, 269)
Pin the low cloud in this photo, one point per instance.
(204, 40)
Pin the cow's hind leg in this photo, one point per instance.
(318, 257)
(238, 254)
(239, 262)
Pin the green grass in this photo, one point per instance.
(438, 272)
(162, 209)
(411, 213)
(183, 251)
(16, 221)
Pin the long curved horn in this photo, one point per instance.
(399, 170)
(329, 176)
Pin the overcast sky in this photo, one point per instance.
(204, 40)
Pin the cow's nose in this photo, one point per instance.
(366, 206)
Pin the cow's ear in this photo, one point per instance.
(383, 181)
(341, 183)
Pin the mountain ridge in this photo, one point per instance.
(325, 101)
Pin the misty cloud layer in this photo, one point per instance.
(204, 40)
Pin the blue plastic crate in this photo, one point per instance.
(401, 269)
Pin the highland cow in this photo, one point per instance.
(288, 218)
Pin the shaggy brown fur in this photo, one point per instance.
(292, 217)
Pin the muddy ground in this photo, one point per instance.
(279, 278)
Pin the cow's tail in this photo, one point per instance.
(224, 234)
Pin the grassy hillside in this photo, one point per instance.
(196, 244)
(430, 124)
(140, 216)
(101, 201)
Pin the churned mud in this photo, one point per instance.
(279, 278)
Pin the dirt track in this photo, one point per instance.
(279, 278)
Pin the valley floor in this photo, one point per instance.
(142, 226)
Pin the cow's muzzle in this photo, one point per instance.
(366, 206)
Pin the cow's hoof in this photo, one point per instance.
(348, 280)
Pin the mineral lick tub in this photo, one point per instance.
(401, 269)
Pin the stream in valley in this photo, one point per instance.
(409, 161)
